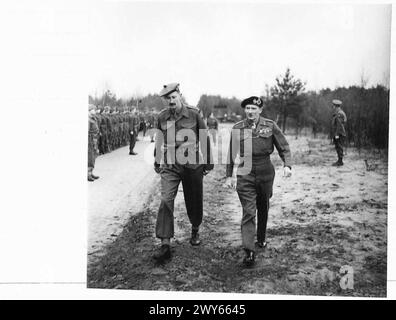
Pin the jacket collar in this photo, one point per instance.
(183, 112)
(261, 122)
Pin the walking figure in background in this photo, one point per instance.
(151, 123)
(93, 134)
(254, 188)
(338, 122)
(213, 126)
(133, 122)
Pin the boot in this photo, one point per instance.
(249, 259)
(93, 176)
(163, 253)
(133, 153)
(261, 244)
(338, 163)
(90, 178)
(195, 241)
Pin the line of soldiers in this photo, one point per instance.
(109, 129)
(116, 127)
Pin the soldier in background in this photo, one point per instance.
(338, 122)
(125, 127)
(213, 126)
(93, 133)
(112, 131)
(103, 132)
(138, 125)
(120, 127)
(133, 125)
(109, 128)
(151, 122)
(142, 123)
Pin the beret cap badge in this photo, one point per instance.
(257, 101)
(169, 88)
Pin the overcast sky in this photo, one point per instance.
(234, 49)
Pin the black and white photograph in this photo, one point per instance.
(239, 147)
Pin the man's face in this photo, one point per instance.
(173, 100)
(252, 112)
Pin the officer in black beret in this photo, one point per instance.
(338, 123)
(253, 139)
(180, 158)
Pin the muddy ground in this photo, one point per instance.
(321, 219)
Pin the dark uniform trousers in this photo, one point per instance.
(133, 135)
(254, 191)
(132, 140)
(339, 146)
(191, 178)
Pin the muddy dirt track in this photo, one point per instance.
(321, 219)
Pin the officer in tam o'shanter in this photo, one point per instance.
(180, 156)
(254, 139)
(338, 123)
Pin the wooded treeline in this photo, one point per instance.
(293, 109)
(287, 103)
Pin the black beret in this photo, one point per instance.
(257, 101)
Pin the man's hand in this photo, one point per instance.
(207, 168)
(337, 137)
(287, 172)
(230, 182)
(157, 168)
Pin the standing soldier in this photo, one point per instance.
(119, 130)
(151, 121)
(93, 133)
(213, 126)
(132, 120)
(338, 122)
(142, 123)
(113, 129)
(125, 127)
(145, 122)
(254, 186)
(174, 122)
(120, 127)
(98, 119)
(103, 132)
(138, 123)
(109, 128)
